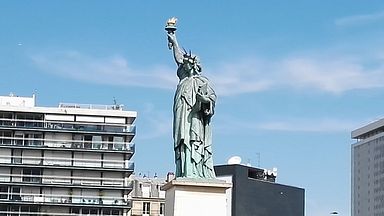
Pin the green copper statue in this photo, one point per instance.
(193, 109)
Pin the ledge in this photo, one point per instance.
(211, 183)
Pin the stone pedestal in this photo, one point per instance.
(191, 197)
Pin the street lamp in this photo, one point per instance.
(334, 213)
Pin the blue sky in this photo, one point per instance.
(293, 77)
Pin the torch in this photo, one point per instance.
(170, 27)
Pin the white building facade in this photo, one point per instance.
(70, 160)
(147, 197)
(368, 170)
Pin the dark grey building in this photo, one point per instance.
(255, 193)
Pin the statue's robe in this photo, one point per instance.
(191, 127)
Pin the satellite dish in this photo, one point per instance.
(234, 160)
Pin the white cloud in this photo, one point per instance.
(328, 73)
(244, 76)
(331, 75)
(310, 125)
(327, 125)
(114, 70)
(360, 19)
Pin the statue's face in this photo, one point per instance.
(188, 65)
(191, 65)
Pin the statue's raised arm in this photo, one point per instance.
(172, 41)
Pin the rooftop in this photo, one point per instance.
(368, 130)
(28, 104)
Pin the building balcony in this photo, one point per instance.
(69, 163)
(67, 181)
(141, 212)
(68, 144)
(59, 213)
(69, 126)
(69, 200)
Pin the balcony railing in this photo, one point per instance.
(66, 180)
(91, 106)
(70, 144)
(23, 213)
(67, 162)
(73, 126)
(151, 212)
(63, 199)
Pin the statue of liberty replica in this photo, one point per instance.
(193, 108)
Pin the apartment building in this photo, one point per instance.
(368, 170)
(68, 160)
(146, 196)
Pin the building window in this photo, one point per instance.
(32, 175)
(15, 193)
(17, 159)
(87, 211)
(3, 208)
(115, 212)
(146, 191)
(107, 142)
(14, 209)
(4, 192)
(111, 212)
(162, 208)
(29, 120)
(33, 139)
(5, 137)
(118, 143)
(5, 119)
(75, 210)
(87, 141)
(28, 139)
(96, 142)
(146, 208)
(29, 209)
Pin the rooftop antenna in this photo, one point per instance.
(249, 162)
(114, 101)
(34, 94)
(115, 105)
(258, 159)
